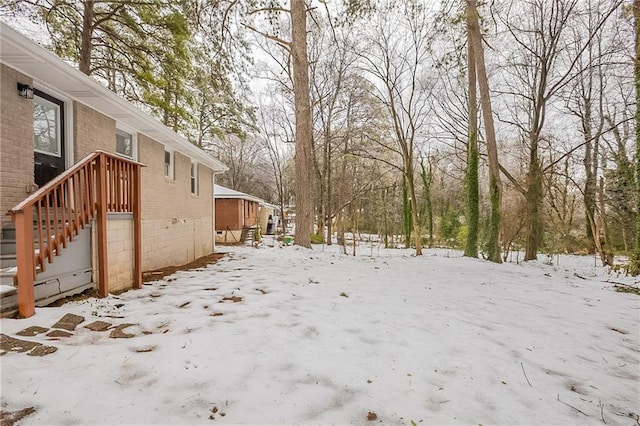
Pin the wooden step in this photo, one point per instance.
(7, 260)
(8, 300)
(7, 276)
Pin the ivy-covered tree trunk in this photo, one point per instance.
(407, 225)
(535, 227)
(427, 179)
(495, 185)
(413, 210)
(471, 178)
(385, 218)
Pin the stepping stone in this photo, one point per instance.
(148, 348)
(68, 322)
(59, 333)
(98, 326)
(10, 344)
(42, 350)
(31, 331)
(13, 417)
(118, 332)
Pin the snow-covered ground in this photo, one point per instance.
(317, 337)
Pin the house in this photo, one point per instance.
(239, 214)
(236, 214)
(97, 190)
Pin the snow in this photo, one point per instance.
(324, 338)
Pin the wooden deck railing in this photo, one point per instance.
(51, 217)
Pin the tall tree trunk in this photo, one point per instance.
(413, 202)
(606, 255)
(406, 213)
(471, 249)
(327, 203)
(589, 201)
(385, 220)
(86, 43)
(428, 210)
(495, 185)
(534, 227)
(320, 204)
(303, 158)
(590, 170)
(635, 266)
(354, 223)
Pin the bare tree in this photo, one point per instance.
(243, 156)
(495, 185)
(297, 49)
(635, 264)
(332, 64)
(540, 66)
(396, 60)
(276, 135)
(473, 202)
(304, 130)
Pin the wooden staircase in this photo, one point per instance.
(99, 184)
(247, 235)
(8, 270)
(47, 291)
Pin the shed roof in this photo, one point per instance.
(272, 206)
(48, 70)
(224, 192)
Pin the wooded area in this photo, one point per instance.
(369, 121)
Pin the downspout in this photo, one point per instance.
(213, 211)
(213, 206)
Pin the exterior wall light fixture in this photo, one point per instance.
(25, 91)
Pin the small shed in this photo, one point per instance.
(269, 218)
(236, 214)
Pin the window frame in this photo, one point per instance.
(68, 139)
(59, 121)
(134, 142)
(194, 179)
(169, 169)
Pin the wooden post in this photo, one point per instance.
(25, 256)
(137, 227)
(101, 223)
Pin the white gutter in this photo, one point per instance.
(20, 53)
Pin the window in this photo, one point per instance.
(168, 164)
(194, 178)
(49, 142)
(47, 125)
(124, 144)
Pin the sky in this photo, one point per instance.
(287, 335)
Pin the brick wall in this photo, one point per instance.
(120, 252)
(251, 213)
(177, 226)
(93, 131)
(228, 214)
(235, 214)
(16, 142)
